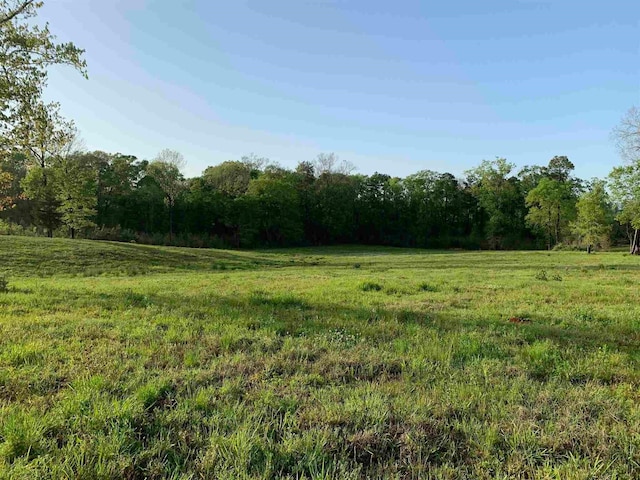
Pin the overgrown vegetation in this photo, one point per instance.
(128, 361)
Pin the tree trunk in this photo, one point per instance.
(557, 227)
(170, 224)
(549, 231)
(635, 245)
(588, 249)
(73, 233)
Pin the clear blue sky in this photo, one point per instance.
(392, 86)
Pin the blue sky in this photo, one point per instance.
(394, 87)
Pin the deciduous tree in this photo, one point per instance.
(165, 170)
(500, 198)
(624, 183)
(627, 135)
(551, 208)
(593, 221)
(27, 50)
(75, 184)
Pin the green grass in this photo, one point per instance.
(128, 361)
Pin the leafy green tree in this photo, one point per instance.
(46, 138)
(305, 179)
(559, 169)
(624, 183)
(439, 209)
(271, 210)
(500, 198)
(39, 186)
(205, 209)
(118, 176)
(381, 202)
(593, 222)
(334, 209)
(6, 201)
(13, 169)
(165, 170)
(551, 208)
(75, 179)
(26, 52)
(230, 178)
(530, 176)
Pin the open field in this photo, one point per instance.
(128, 361)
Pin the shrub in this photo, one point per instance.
(9, 228)
(370, 287)
(566, 247)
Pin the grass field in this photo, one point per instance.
(129, 361)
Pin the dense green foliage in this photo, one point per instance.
(253, 203)
(132, 361)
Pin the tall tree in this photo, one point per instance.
(627, 135)
(6, 200)
(500, 198)
(331, 163)
(593, 222)
(230, 178)
(551, 207)
(165, 170)
(75, 183)
(13, 169)
(271, 210)
(118, 175)
(45, 139)
(26, 51)
(624, 183)
(559, 169)
(39, 186)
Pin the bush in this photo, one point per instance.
(8, 228)
(115, 234)
(567, 247)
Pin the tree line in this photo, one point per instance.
(254, 203)
(49, 184)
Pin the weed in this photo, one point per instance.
(370, 287)
(542, 275)
(427, 287)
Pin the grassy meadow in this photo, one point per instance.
(138, 362)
